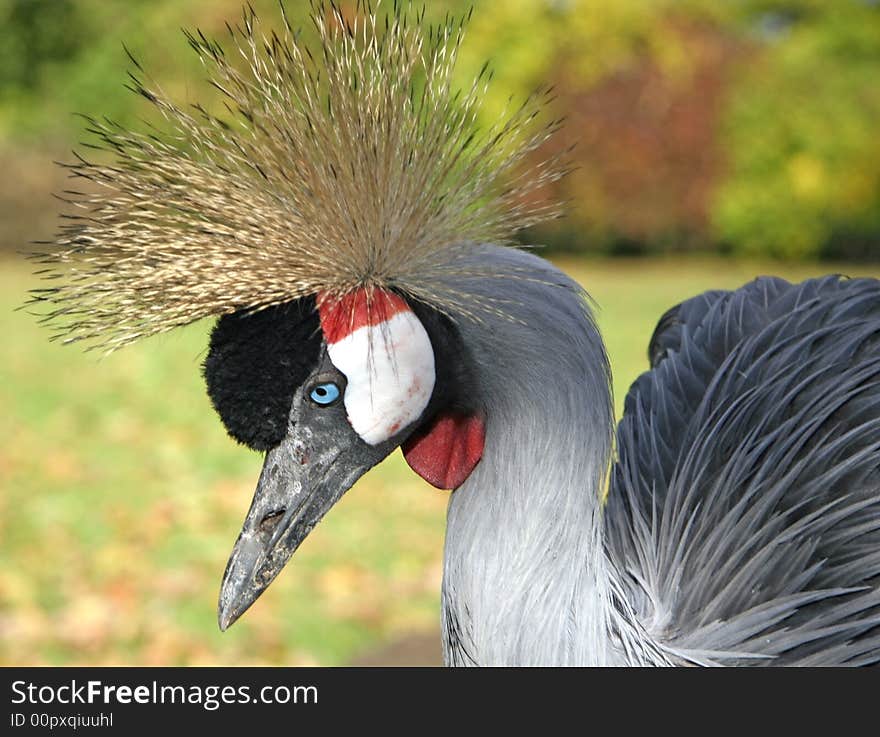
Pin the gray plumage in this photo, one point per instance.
(742, 524)
(523, 571)
(744, 512)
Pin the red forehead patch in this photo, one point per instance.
(341, 316)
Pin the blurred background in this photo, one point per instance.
(715, 141)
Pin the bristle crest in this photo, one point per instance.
(356, 164)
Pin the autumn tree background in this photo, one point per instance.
(740, 127)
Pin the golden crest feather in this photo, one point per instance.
(356, 164)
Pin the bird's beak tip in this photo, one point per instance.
(225, 619)
(238, 590)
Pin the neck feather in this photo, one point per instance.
(525, 577)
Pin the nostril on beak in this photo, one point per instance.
(270, 521)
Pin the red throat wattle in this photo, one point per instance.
(445, 453)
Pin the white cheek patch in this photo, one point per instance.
(384, 352)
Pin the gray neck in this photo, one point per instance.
(525, 578)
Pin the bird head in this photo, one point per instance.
(327, 217)
(327, 388)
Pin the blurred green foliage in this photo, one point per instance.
(744, 126)
(801, 134)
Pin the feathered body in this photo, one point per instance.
(744, 508)
(742, 523)
(347, 223)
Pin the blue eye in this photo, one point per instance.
(324, 394)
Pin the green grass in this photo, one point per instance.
(122, 496)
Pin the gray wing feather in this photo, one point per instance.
(743, 515)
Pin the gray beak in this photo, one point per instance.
(294, 492)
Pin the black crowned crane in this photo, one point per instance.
(350, 225)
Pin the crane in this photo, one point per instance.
(350, 227)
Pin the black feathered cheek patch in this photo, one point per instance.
(255, 364)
